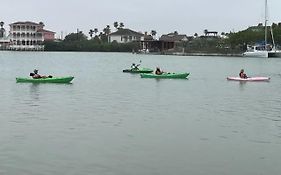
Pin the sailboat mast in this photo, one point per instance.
(265, 24)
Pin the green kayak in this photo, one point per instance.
(45, 80)
(165, 75)
(140, 70)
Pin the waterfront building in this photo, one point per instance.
(171, 40)
(125, 36)
(174, 37)
(29, 36)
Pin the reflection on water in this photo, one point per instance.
(35, 93)
(242, 85)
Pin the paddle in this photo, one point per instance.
(138, 64)
(134, 66)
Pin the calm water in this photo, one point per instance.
(111, 123)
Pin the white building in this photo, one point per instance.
(25, 36)
(125, 36)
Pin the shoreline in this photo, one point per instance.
(195, 54)
(152, 53)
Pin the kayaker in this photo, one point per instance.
(35, 75)
(158, 71)
(242, 74)
(135, 66)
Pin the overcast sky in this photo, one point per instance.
(184, 16)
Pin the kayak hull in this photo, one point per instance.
(45, 80)
(248, 79)
(166, 75)
(140, 70)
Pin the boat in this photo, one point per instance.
(254, 51)
(249, 79)
(45, 80)
(167, 75)
(139, 70)
(264, 50)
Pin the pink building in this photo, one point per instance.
(47, 34)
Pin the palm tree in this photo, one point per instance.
(153, 33)
(116, 24)
(91, 32)
(195, 35)
(105, 36)
(1, 24)
(2, 30)
(96, 31)
(42, 24)
(206, 32)
(121, 25)
(100, 34)
(107, 30)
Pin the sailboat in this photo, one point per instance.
(264, 50)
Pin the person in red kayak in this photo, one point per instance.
(242, 74)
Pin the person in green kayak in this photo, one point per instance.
(35, 75)
(158, 71)
(242, 74)
(135, 66)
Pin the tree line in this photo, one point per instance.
(98, 41)
(232, 42)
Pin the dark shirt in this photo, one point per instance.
(242, 75)
(158, 72)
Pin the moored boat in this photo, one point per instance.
(264, 50)
(45, 80)
(167, 75)
(249, 79)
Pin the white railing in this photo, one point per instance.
(26, 47)
(27, 38)
(31, 31)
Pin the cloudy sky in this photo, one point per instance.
(184, 16)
